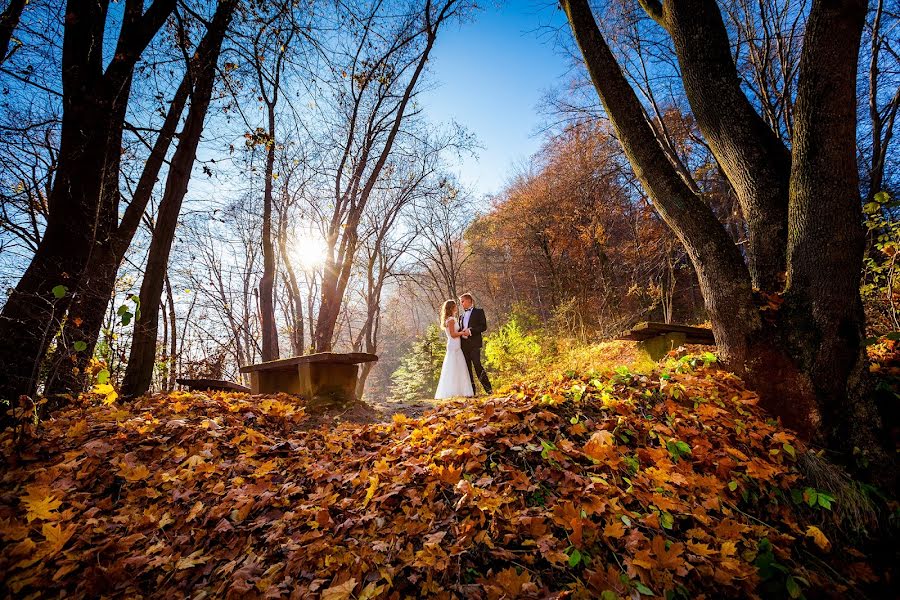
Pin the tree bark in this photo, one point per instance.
(823, 308)
(139, 373)
(90, 299)
(754, 159)
(173, 338)
(83, 204)
(267, 281)
(9, 20)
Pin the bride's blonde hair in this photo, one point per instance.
(447, 311)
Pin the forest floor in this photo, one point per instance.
(585, 484)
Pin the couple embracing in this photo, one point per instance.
(462, 362)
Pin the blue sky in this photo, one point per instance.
(490, 76)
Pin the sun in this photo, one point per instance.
(309, 250)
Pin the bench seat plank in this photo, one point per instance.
(288, 364)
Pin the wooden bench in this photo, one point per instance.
(219, 385)
(326, 378)
(656, 339)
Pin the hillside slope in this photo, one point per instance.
(671, 484)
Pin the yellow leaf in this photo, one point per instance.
(265, 468)
(195, 510)
(192, 560)
(373, 485)
(614, 530)
(600, 446)
(818, 537)
(77, 429)
(57, 536)
(371, 591)
(105, 389)
(342, 591)
(133, 473)
(41, 507)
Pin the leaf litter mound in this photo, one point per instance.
(671, 484)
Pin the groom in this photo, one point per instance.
(474, 323)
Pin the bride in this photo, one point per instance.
(454, 379)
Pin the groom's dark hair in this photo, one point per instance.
(469, 296)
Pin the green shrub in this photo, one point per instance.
(511, 351)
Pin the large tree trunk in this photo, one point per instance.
(807, 362)
(139, 373)
(89, 302)
(823, 309)
(83, 204)
(753, 157)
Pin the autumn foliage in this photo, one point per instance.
(672, 484)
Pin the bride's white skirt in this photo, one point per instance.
(454, 379)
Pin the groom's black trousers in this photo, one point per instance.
(473, 363)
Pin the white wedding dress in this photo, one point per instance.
(454, 379)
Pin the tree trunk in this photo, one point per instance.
(754, 159)
(337, 272)
(824, 315)
(87, 171)
(9, 20)
(267, 281)
(173, 339)
(83, 204)
(139, 373)
(807, 362)
(89, 301)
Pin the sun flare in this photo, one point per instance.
(309, 250)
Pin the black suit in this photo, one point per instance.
(471, 347)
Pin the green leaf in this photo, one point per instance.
(574, 558)
(732, 485)
(643, 588)
(126, 318)
(626, 520)
(810, 496)
(882, 197)
(59, 291)
(80, 346)
(789, 449)
(793, 588)
(609, 595)
(103, 377)
(666, 520)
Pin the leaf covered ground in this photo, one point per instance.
(671, 484)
